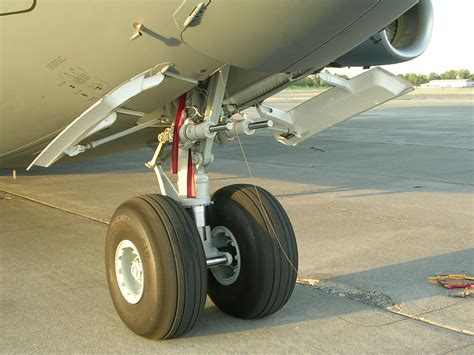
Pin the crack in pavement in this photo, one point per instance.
(378, 300)
(370, 298)
(459, 348)
(76, 213)
(398, 309)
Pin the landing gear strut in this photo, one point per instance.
(165, 252)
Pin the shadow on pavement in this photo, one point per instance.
(402, 282)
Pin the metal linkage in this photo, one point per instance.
(163, 138)
(192, 155)
(166, 186)
(261, 124)
(219, 260)
(192, 132)
(220, 127)
(81, 148)
(243, 127)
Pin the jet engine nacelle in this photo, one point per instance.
(404, 39)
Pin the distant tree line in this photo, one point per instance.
(418, 79)
(313, 81)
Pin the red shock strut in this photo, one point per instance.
(190, 179)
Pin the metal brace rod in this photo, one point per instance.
(166, 186)
(163, 138)
(79, 148)
(152, 162)
(224, 259)
(216, 90)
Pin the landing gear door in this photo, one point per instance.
(336, 105)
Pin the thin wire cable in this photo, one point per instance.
(398, 320)
(265, 213)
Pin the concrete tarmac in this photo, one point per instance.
(379, 204)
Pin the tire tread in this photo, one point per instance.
(273, 217)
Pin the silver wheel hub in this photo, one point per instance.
(129, 271)
(223, 239)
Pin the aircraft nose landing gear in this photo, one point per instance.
(164, 253)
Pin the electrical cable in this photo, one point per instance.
(265, 213)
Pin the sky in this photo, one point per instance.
(451, 46)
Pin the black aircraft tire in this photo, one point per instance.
(173, 267)
(267, 274)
